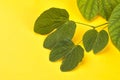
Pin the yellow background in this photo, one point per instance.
(22, 56)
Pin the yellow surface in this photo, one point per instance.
(22, 56)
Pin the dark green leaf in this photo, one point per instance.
(106, 7)
(114, 27)
(60, 50)
(50, 19)
(101, 41)
(88, 8)
(72, 59)
(94, 40)
(65, 31)
(89, 38)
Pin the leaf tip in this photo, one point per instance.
(95, 52)
(52, 60)
(63, 69)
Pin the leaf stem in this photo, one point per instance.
(94, 27)
(79, 42)
(104, 27)
(85, 24)
(101, 25)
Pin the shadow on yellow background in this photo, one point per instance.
(22, 56)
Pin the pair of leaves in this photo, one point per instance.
(91, 8)
(51, 19)
(71, 54)
(94, 40)
(59, 41)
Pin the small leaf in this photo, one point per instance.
(65, 31)
(60, 50)
(72, 59)
(88, 8)
(101, 41)
(106, 7)
(89, 38)
(50, 19)
(114, 27)
(94, 40)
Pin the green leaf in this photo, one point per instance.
(91, 8)
(106, 7)
(60, 50)
(89, 38)
(101, 41)
(72, 59)
(50, 19)
(94, 40)
(88, 8)
(114, 27)
(71, 54)
(65, 31)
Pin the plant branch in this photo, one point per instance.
(79, 42)
(101, 25)
(91, 25)
(85, 24)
